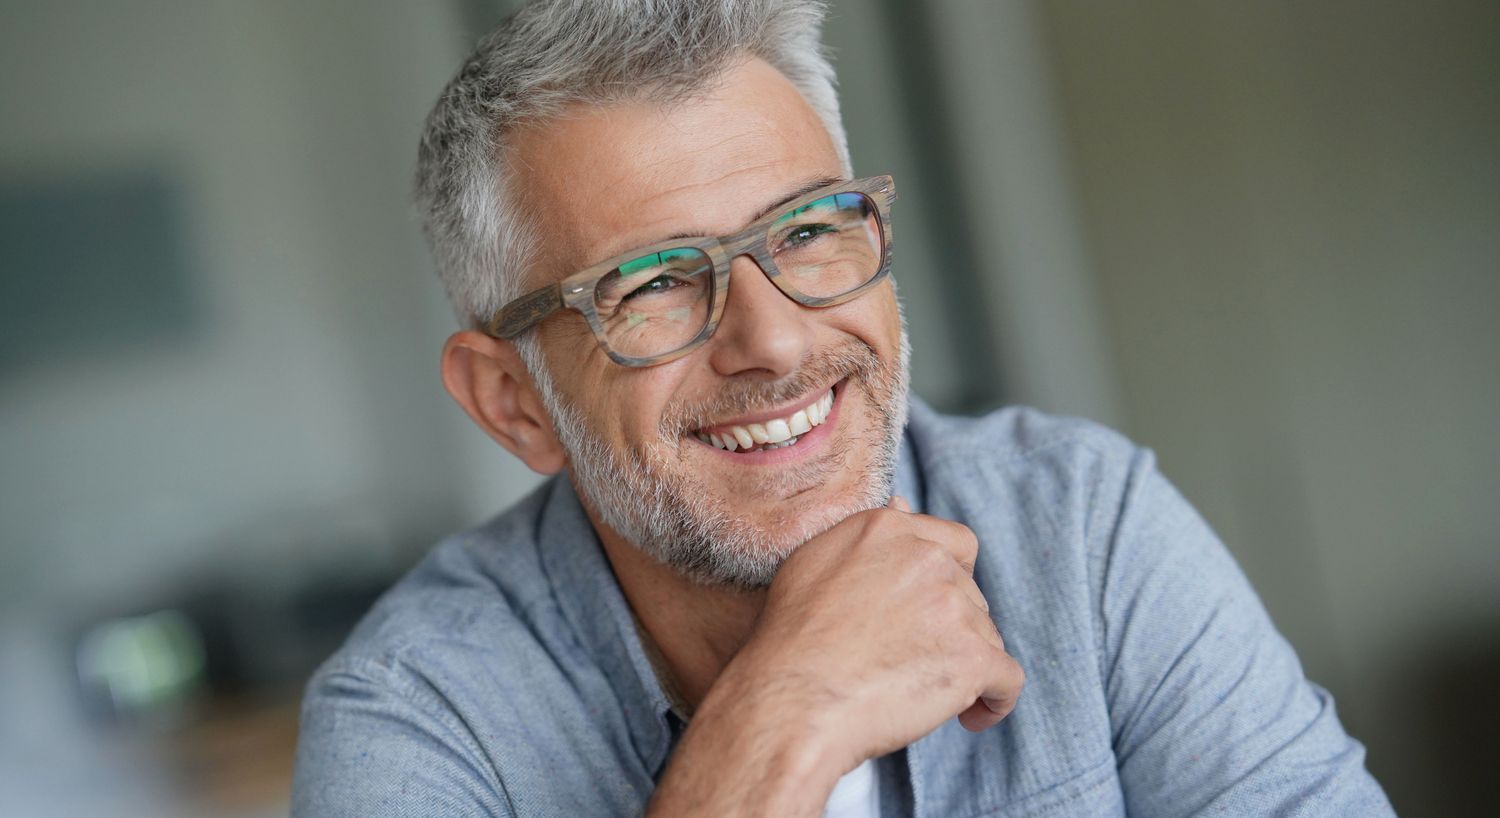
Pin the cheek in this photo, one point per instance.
(890, 309)
(585, 377)
(874, 318)
(627, 405)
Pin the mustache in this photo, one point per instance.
(748, 394)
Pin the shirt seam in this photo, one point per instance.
(382, 675)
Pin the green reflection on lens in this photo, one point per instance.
(654, 260)
(640, 265)
(838, 201)
(796, 211)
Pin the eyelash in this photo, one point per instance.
(643, 289)
(820, 228)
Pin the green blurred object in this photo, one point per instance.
(142, 664)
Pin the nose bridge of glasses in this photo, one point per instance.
(756, 258)
(762, 327)
(752, 247)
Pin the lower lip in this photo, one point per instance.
(807, 444)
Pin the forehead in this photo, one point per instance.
(601, 180)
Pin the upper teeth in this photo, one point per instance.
(772, 433)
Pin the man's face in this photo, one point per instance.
(604, 180)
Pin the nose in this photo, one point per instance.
(762, 331)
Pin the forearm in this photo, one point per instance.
(742, 757)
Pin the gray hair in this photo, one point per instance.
(553, 53)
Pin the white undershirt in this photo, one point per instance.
(856, 795)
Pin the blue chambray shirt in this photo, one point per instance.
(504, 675)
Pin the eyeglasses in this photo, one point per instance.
(658, 303)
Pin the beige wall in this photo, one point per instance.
(1293, 211)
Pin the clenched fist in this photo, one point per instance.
(873, 634)
(876, 632)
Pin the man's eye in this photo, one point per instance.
(805, 234)
(660, 284)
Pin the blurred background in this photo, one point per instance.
(1260, 238)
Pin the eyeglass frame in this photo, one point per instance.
(576, 292)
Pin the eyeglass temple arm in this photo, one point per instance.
(524, 312)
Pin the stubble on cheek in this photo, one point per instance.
(845, 475)
(691, 508)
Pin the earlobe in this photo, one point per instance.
(488, 379)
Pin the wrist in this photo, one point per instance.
(794, 715)
(756, 749)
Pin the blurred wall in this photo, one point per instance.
(954, 98)
(302, 404)
(291, 431)
(1293, 213)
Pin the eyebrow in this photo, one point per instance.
(801, 190)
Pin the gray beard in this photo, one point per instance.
(672, 518)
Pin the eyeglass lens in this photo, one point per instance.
(658, 303)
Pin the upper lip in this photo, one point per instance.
(770, 414)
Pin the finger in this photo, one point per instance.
(983, 626)
(971, 591)
(957, 538)
(899, 503)
(1003, 689)
(978, 717)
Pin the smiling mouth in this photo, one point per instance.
(775, 433)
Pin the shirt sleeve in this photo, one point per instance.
(1209, 708)
(373, 746)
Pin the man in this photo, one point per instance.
(754, 587)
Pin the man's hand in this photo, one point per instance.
(876, 632)
(872, 636)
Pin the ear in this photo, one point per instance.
(487, 377)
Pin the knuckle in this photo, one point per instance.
(965, 535)
(1007, 673)
(876, 521)
(949, 606)
(949, 603)
(970, 542)
(1015, 675)
(930, 556)
(956, 531)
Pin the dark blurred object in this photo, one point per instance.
(91, 263)
(204, 688)
(221, 641)
(1457, 719)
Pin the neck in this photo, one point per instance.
(696, 628)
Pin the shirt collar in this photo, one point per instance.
(596, 609)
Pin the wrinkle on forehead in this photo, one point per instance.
(639, 222)
(600, 180)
